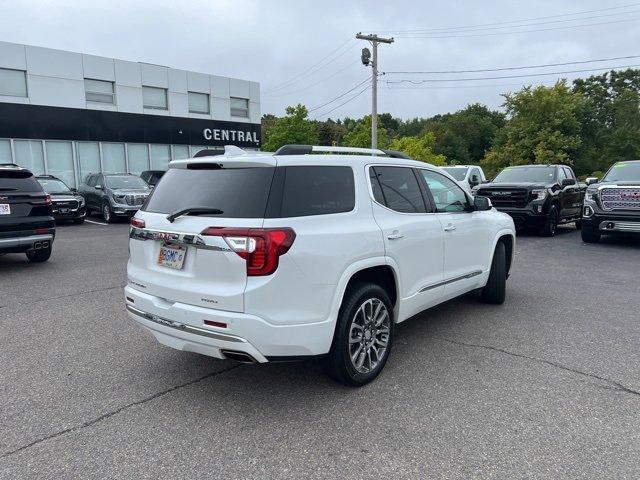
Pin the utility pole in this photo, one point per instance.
(366, 60)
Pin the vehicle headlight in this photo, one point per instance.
(81, 201)
(539, 193)
(118, 198)
(590, 195)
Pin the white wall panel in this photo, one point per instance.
(128, 99)
(54, 63)
(254, 90)
(154, 75)
(220, 108)
(239, 88)
(128, 73)
(177, 80)
(58, 92)
(12, 56)
(219, 86)
(178, 104)
(198, 82)
(254, 112)
(99, 68)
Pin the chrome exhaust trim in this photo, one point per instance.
(241, 357)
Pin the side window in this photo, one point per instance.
(475, 172)
(91, 180)
(569, 174)
(447, 195)
(375, 186)
(561, 174)
(98, 181)
(317, 190)
(399, 189)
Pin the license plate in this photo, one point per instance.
(172, 256)
(5, 209)
(64, 210)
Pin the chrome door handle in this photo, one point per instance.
(395, 235)
(449, 228)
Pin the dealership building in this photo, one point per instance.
(69, 114)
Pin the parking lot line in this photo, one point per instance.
(96, 223)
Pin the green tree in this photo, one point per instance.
(294, 127)
(330, 132)
(544, 126)
(419, 148)
(359, 134)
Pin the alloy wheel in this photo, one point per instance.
(369, 335)
(106, 213)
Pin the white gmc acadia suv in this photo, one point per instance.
(308, 252)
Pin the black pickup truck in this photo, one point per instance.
(537, 196)
(26, 219)
(612, 205)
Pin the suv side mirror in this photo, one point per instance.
(474, 180)
(591, 180)
(482, 204)
(568, 181)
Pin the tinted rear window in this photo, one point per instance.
(18, 181)
(317, 190)
(400, 189)
(238, 192)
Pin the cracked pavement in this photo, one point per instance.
(545, 386)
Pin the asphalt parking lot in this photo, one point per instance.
(545, 386)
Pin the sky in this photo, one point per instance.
(305, 51)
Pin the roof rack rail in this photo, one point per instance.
(229, 151)
(309, 149)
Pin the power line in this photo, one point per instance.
(339, 96)
(315, 67)
(431, 80)
(342, 104)
(583, 12)
(550, 22)
(518, 31)
(292, 92)
(435, 72)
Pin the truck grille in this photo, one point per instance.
(505, 197)
(135, 200)
(620, 198)
(70, 204)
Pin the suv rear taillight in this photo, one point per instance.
(260, 247)
(137, 222)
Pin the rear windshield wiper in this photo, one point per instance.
(194, 211)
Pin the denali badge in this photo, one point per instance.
(502, 193)
(630, 195)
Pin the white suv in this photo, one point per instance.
(308, 252)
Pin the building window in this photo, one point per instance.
(29, 154)
(113, 158)
(99, 91)
(138, 154)
(160, 157)
(154, 97)
(60, 161)
(179, 152)
(89, 157)
(13, 82)
(198, 102)
(239, 107)
(5, 151)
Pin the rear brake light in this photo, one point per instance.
(137, 222)
(260, 247)
(41, 231)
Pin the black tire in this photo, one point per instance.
(495, 289)
(578, 224)
(551, 225)
(589, 236)
(39, 256)
(338, 363)
(107, 213)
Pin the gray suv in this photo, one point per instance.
(118, 194)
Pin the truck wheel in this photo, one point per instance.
(551, 225)
(495, 289)
(107, 215)
(589, 237)
(41, 255)
(363, 337)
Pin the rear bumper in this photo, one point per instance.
(19, 244)
(181, 326)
